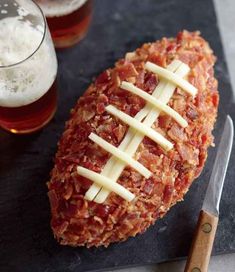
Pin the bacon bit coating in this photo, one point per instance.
(78, 222)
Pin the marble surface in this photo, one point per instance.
(223, 263)
(225, 10)
(226, 15)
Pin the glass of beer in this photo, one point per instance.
(68, 20)
(28, 68)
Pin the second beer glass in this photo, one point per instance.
(68, 20)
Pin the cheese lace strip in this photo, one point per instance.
(106, 182)
(155, 102)
(120, 155)
(178, 81)
(140, 127)
(112, 162)
(132, 147)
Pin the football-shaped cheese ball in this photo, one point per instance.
(87, 213)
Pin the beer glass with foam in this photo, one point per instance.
(68, 20)
(28, 68)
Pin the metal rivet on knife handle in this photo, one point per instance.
(206, 227)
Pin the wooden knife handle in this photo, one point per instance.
(200, 252)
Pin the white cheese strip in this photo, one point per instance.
(140, 127)
(120, 155)
(107, 170)
(164, 97)
(155, 102)
(178, 81)
(106, 183)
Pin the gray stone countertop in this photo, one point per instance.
(226, 17)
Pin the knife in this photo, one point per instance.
(200, 252)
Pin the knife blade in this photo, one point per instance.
(200, 252)
(216, 183)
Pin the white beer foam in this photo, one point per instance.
(26, 82)
(58, 8)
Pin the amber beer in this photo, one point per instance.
(28, 69)
(68, 20)
(32, 117)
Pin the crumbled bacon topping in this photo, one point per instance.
(78, 222)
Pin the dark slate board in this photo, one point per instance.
(26, 241)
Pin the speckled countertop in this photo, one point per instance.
(226, 16)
